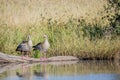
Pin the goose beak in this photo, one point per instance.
(45, 36)
(28, 36)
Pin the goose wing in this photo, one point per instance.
(23, 46)
(37, 46)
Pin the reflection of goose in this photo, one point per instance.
(25, 46)
(41, 74)
(24, 72)
(19, 75)
(25, 75)
(42, 46)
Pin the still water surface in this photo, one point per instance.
(72, 70)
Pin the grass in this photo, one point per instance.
(32, 12)
(78, 32)
(65, 39)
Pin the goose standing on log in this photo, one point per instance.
(25, 47)
(43, 46)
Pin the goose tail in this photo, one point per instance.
(34, 48)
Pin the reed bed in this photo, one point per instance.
(64, 40)
(74, 27)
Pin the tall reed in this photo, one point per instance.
(73, 28)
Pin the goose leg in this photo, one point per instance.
(26, 55)
(22, 55)
(41, 57)
(44, 55)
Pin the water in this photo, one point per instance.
(71, 70)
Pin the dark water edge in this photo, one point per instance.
(72, 70)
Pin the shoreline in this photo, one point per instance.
(5, 58)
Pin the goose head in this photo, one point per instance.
(45, 36)
(29, 40)
(28, 37)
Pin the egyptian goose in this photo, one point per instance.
(43, 46)
(25, 47)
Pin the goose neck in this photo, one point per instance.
(30, 42)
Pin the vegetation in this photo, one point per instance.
(93, 33)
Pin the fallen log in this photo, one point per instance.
(5, 58)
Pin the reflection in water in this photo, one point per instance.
(19, 75)
(24, 72)
(83, 70)
(42, 72)
(39, 74)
